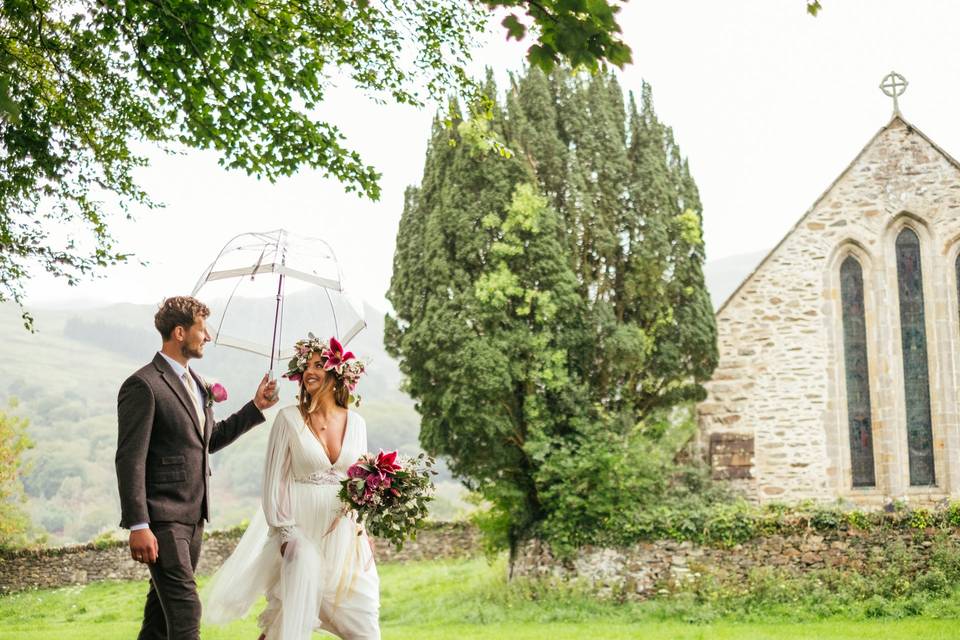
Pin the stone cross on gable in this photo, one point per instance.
(893, 86)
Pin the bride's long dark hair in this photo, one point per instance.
(310, 403)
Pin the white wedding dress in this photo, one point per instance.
(326, 578)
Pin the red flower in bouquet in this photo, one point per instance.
(377, 484)
(358, 470)
(386, 464)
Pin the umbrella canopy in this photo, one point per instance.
(267, 289)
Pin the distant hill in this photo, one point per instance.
(723, 276)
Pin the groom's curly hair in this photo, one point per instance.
(178, 311)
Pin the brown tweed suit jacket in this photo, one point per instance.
(163, 461)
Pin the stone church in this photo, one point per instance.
(839, 361)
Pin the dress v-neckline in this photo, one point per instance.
(323, 447)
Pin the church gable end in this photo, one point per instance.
(815, 344)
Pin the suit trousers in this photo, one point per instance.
(172, 611)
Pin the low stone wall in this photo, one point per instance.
(81, 564)
(643, 570)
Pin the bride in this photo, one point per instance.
(314, 564)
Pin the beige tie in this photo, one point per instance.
(193, 396)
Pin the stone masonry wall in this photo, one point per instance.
(647, 569)
(81, 564)
(775, 416)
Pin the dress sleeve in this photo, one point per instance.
(276, 480)
(363, 436)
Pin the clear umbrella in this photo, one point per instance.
(267, 289)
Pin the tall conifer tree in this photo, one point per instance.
(552, 300)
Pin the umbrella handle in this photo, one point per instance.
(271, 378)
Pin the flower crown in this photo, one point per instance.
(344, 365)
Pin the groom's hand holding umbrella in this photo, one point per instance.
(266, 395)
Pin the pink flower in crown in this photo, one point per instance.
(334, 356)
(350, 379)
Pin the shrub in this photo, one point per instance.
(920, 518)
(827, 519)
(933, 582)
(876, 607)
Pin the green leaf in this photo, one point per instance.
(9, 109)
(515, 29)
(542, 56)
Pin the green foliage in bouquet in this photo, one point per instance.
(389, 494)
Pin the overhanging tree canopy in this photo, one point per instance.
(80, 81)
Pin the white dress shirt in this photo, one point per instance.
(179, 369)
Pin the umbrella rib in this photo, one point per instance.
(223, 316)
(333, 312)
(234, 292)
(203, 278)
(256, 267)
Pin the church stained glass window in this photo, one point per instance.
(857, 373)
(915, 369)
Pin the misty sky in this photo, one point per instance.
(769, 104)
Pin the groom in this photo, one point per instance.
(166, 432)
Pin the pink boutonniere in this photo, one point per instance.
(216, 392)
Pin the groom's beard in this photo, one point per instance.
(190, 352)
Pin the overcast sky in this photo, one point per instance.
(769, 104)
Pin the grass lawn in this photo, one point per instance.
(467, 599)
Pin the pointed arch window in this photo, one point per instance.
(857, 373)
(957, 269)
(916, 378)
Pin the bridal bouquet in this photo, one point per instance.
(389, 494)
